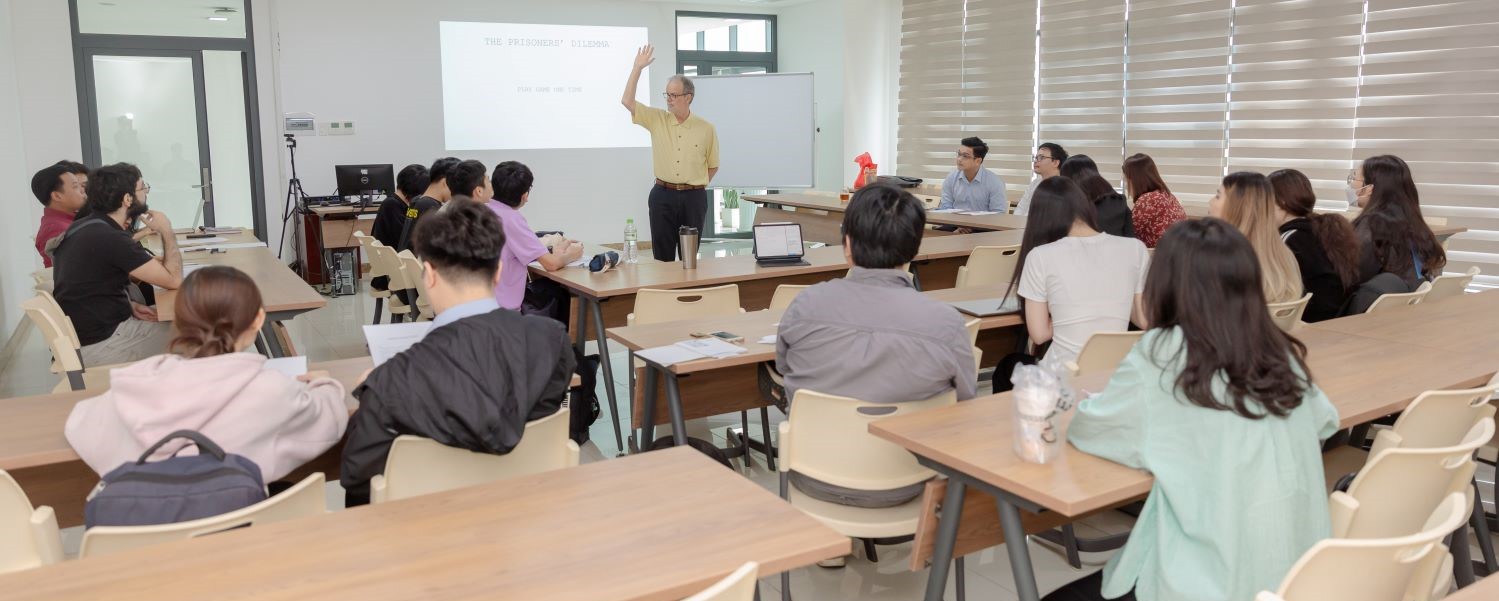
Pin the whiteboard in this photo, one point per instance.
(766, 126)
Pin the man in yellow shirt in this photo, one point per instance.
(684, 155)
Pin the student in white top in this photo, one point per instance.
(1075, 280)
(1047, 162)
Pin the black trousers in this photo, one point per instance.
(671, 209)
(1087, 588)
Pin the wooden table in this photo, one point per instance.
(591, 533)
(831, 204)
(333, 227)
(285, 295)
(1483, 590)
(730, 384)
(604, 299)
(971, 442)
(1465, 324)
(35, 451)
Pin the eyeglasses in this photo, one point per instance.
(669, 95)
(964, 155)
(1352, 175)
(144, 187)
(1040, 157)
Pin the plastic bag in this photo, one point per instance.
(1040, 396)
(866, 168)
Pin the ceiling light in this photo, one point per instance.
(218, 18)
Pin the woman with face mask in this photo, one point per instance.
(1395, 244)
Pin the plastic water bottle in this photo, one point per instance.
(632, 242)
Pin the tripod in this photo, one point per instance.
(293, 206)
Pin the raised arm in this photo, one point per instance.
(643, 59)
(168, 272)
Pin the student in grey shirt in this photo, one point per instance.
(971, 187)
(871, 335)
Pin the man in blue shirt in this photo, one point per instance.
(971, 187)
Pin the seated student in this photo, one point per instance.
(1155, 207)
(61, 192)
(1047, 162)
(1246, 201)
(95, 261)
(512, 190)
(436, 194)
(1397, 250)
(481, 372)
(1113, 212)
(410, 183)
(971, 187)
(871, 335)
(469, 179)
(1076, 281)
(1217, 403)
(1325, 246)
(208, 384)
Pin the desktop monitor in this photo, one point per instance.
(354, 180)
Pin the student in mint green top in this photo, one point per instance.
(1216, 402)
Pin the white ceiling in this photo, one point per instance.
(161, 17)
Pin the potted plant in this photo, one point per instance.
(730, 205)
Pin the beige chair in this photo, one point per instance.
(419, 466)
(383, 259)
(1103, 352)
(738, 586)
(1436, 418)
(784, 294)
(1449, 286)
(28, 535)
(988, 266)
(1399, 485)
(413, 270)
(306, 498)
(1383, 569)
(658, 306)
(972, 326)
(57, 331)
(366, 242)
(1286, 315)
(827, 438)
(42, 280)
(1386, 302)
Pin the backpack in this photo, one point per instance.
(584, 400)
(177, 489)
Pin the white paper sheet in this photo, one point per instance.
(771, 339)
(670, 354)
(712, 347)
(943, 210)
(978, 213)
(200, 241)
(389, 339)
(291, 366)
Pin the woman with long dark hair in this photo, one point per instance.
(1393, 236)
(1155, 207)
(1113, 212)
(207, 384)
(1217, 403)
(1325, 247)
(1075, 280)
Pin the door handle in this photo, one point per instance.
(206, 186)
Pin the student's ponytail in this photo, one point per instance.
(1294, 195)
(214, 307)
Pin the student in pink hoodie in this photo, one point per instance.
(206, 384)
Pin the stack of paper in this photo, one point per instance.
(943, 210)
(291, 366)
(691, 350)
(388, 340)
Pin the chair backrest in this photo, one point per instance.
(306, 498)
(1451, 285)
(56, 329)
(1104, 351)
(1382, 569)
(972, 326)
(28, 536)
(1438, 418)
(1386, 302)
(1398, 488)
(988, 266)
(383, 261)
(827, 438)
(784, 294)
(1287, 314)
(737, 586)
(42, 279)
(412, 268)
(418, 466)
(366, 247)
(656, 306)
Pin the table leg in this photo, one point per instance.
(272, 344)
(648, 401)
(598, 326)
(674, 403)
(947, 537)
(1020, 554)
(581, 337)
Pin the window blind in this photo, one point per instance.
(1430, 95)
(1176, 88)
(999, 81)
(929, 121)
(1082, 79)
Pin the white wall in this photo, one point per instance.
(384, 76)
(811, 40)
(871, 73)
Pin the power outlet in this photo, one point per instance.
(336, 128)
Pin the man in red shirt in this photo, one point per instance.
(60, 188)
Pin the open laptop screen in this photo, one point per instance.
(778, 240)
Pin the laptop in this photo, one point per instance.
(988, 307)
(779, 245)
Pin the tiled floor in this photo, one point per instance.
(333, 332)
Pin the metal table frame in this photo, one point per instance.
(1009, 519)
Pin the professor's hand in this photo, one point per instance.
(644, 57)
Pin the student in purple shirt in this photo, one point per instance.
(512, 190)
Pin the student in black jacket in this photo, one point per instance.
(481, 372)
(410, 183)
(1325, 246)
(431, 199)
(1113, 212)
